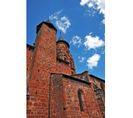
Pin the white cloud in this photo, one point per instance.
(83, 2)
(93, 42)
(93, 61)
(98, 5)
(103, 21)
(76, 40)
(62, 22)
(81, 59)
(90, 12)
(55, 15)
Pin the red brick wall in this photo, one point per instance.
(99, 89)
(56, 100)
(72, 106)
(44, 60)
(62, 68)
(28, 61)
(64, 58)
(64, 100)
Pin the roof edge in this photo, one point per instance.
(73, 78)
(30, 46)
(96, 77)
(49, 24)
(63, 42)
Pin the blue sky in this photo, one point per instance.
(82, 25)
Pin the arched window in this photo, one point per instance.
(80, 97)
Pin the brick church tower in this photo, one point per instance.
(54, 90)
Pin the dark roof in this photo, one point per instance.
(48, 23)
(63, 42)
(73, 78)
(80, 73)
(30, 47)
(76, 79)
(96, 77)
(89, 75)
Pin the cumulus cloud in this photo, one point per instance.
(93, 61)
(98, 5)
(62, 22)
(93, 42)
(76, 40)
(81, 59)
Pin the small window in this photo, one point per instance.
(80, 97)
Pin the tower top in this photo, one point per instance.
(61, 39)
(48, 23)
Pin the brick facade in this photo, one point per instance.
(54, 90)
